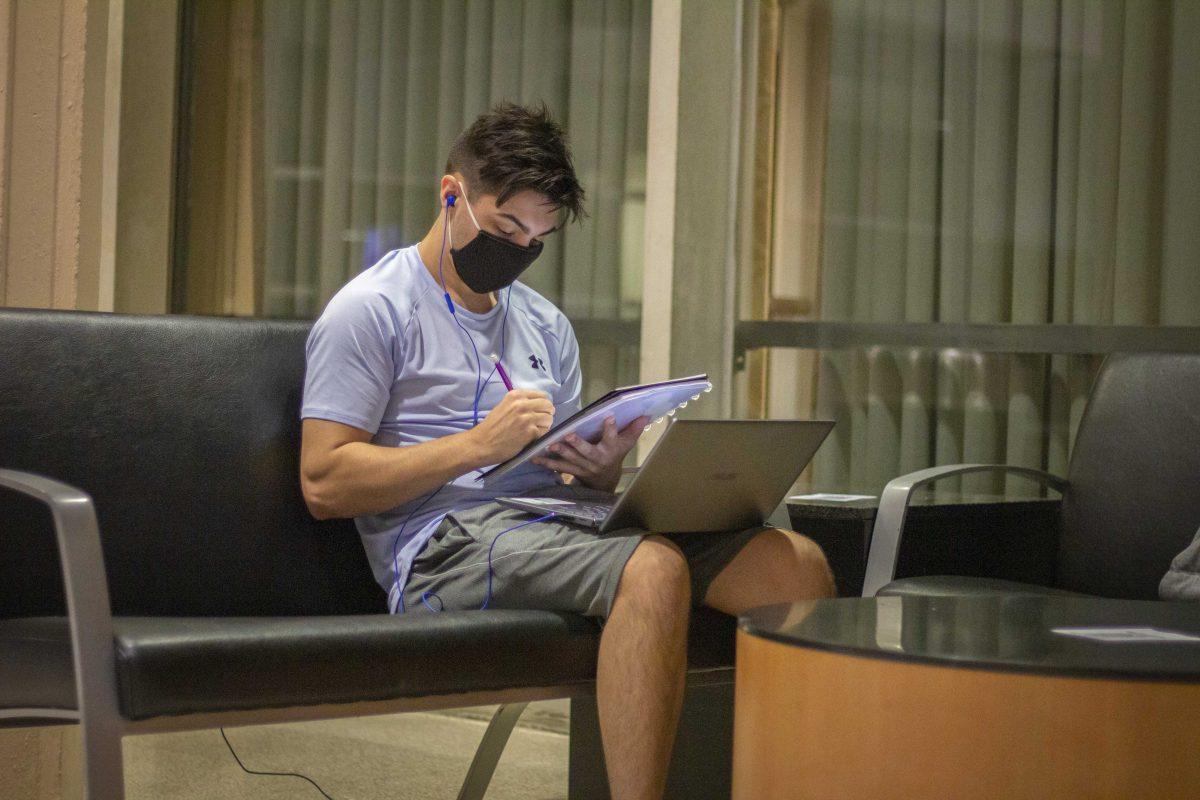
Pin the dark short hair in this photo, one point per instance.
(513, 148)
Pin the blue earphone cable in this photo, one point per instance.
(454, 315)
(479, 390)
(396, 542)
(503, 344)
(487, 598)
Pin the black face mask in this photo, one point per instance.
(488, 263)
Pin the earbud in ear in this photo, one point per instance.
(450, 199)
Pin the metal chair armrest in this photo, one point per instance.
(89, 613)
(893, 508)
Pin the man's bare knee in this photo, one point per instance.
(812, 568)
(797, 566)
(657, 573)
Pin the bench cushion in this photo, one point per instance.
(183, 665)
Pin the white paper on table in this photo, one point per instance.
(833, 498)
(1126, 634)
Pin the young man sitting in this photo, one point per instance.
(402, 409)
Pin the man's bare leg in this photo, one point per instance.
(641, 669)
(776, 566)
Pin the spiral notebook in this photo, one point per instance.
(653, 400)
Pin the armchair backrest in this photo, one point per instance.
(185, 432)
(1134, 496)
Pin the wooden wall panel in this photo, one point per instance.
(42, 47)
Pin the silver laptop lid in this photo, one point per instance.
(717, 475)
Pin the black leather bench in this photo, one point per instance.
(153, 463)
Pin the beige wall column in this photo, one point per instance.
(662, 134)
(692, 187)
(47, 111)
(224, 217)
(140, 230)
(86, 153)
(706, 191)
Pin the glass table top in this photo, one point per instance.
(1069, 636)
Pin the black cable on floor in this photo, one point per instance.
(276, 774)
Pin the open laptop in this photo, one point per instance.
(701, 476)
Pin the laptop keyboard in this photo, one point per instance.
(595, 512)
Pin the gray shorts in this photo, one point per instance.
(553, 565)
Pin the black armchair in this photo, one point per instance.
(1131, 497)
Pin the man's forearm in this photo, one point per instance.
(361, 478)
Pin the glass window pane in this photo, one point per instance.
(350, 109)
(954, 161)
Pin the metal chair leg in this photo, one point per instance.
(103, 764)
(490, 749)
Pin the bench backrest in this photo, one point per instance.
(185, 432)
(1134, 496)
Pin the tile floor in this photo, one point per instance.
(418, 756)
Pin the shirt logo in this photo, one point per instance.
(537, 363)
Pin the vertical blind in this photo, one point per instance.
(1024, 161)
(362, 100)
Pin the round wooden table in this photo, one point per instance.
(980, 697)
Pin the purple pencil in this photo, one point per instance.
(500, 368)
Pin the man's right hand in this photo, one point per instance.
(522, 416)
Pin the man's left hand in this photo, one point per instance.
(598, 465)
